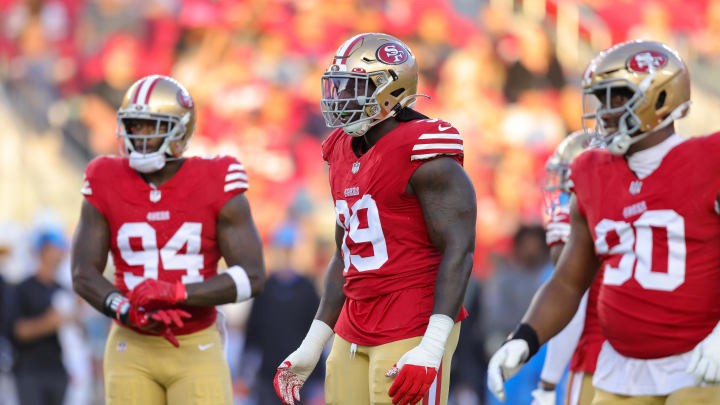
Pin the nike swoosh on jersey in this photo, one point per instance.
(205, 347)
(442, 128)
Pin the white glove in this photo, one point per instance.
(558, 229)
(543, 397)
(504, 364)
(296, 368)
(705, 359)
(556, 232)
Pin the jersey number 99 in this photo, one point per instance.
(347, 217)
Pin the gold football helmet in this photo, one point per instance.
(164, 101)
(371, 78)
(652, 77)
(557, 180)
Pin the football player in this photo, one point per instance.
(166, 220)
(405, 235)
(645, 208)
(580, 342)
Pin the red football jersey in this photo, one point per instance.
(390, 263)
(586, 353)
(658, 240)
(165, 233)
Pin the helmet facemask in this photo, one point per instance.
(140, 157)
(616, 136)
(558, 185)
(349, 100)
(556, 190)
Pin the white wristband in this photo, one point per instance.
(437, 333)
(317, 336)
(242, 282)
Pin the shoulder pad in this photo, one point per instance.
(98, 168)
(235, 175)
(329, 143)
(435, 137)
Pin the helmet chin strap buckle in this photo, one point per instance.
(147, 163)
(357, 129)
(620, 144)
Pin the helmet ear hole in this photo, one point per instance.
(397, 92)
(660, 100)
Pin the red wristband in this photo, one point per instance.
(180, 292)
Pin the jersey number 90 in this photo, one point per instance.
(635, 244)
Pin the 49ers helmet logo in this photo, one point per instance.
(391, 53)
(185, 99)
(643, 62)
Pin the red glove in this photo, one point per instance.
(167, 318)
(416, 370)
(160, 321)
(411, 384)
(154, 294)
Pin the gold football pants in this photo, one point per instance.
(359, 379)
(685, 396)
(580, 390)
(148, 370)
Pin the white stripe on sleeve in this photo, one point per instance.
(86, 188)
(237, 184)
(236, 176)
(441, 136)
(438, 146)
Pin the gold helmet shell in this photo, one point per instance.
(163, 100)
(655, 79)
(372, 77)
(557, 179)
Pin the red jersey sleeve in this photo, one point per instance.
(711, 147)
(328, 144)
(436, 138)
(234, 179)
(95, 180)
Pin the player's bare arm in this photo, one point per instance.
(90, 247)
(333, 296)
(448, 202)
(447, 199)
(575, 272)
(555, 251)
(240, 245)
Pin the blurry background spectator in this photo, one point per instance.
(507, 295)
(509, 290)
(40, 309)
(7, 384)
(469, 363)
(278, 319)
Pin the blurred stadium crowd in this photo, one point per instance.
(504, 72)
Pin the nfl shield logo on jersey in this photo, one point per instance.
(355, 167)
(155, 195)
(635, 187)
